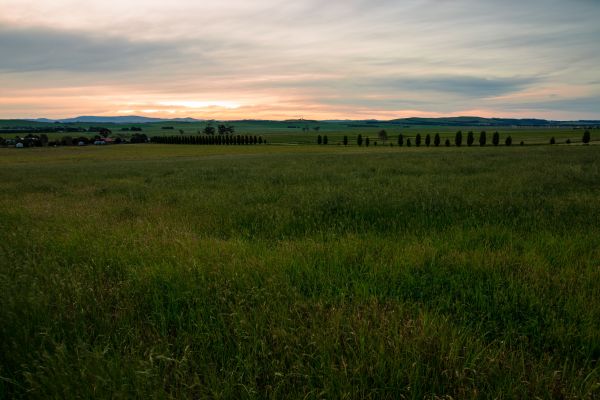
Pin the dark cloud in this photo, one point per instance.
(581, 104)
(469, 86)
(45, 49)
(462, 86)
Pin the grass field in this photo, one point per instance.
(300, 272)
(280, 132)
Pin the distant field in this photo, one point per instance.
(178, 271)
(293, 133)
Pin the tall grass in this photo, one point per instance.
(175, 271)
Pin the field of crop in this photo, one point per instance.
(300, 272)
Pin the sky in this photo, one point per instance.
(284, 59)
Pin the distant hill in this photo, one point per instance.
(129, 119)
(478, 121)
(448, 121)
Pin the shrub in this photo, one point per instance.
(447, 142)
(482, 138)
(418, 139)
(325, 140)
(458, 138)
(427, 140)
(408, 142)
(470, 138)
(400, 140)
(359, 140)
(586, 137)
(436, 140)
(367, 142)
(319, 139)
(345, 140)
(552, 140)
(508, 141)
(522, 143)
(568, 141)
(496, 138)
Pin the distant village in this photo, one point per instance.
(74, 136)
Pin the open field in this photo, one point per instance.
(293, 133)
(300, 271)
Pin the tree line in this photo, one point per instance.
(437, 140)
(209, 140)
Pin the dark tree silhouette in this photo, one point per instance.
(436, 140)
(552, 140)
(418, 139)
(382, 135)
(496, 138)
(319, 139)
(345, 140)
(482, 138)
(427, 140)
(400, 140)
(325, 140)
(458, 138)
(447, 143)
(508, 141)
(470, 138)
(586, 137)
(359, 140)
(209, 130)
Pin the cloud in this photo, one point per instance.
(339, 58)
(46, 49)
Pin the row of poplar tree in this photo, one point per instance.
(458, 139)
(218, 140)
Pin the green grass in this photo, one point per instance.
(278, 132)
(300, 272)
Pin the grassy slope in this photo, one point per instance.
(299, 272)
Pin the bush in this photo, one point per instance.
(458, 138)
(325, 140)
(522, 143)
(345, 140)
(447, 142)
(568, 141)
(470, 138)
(319, 139)
(408, 142)
(482, 138)
(400, 140)
(436, 140)
(418, 140)
(427, 140)
(552, 140)
(586, 137)
(359, 140)
(496, 139)
(508, 141)
(367, 142)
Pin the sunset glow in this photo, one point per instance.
(274, 59)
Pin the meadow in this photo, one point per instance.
(310, 271)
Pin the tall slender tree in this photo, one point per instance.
(458, 138)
